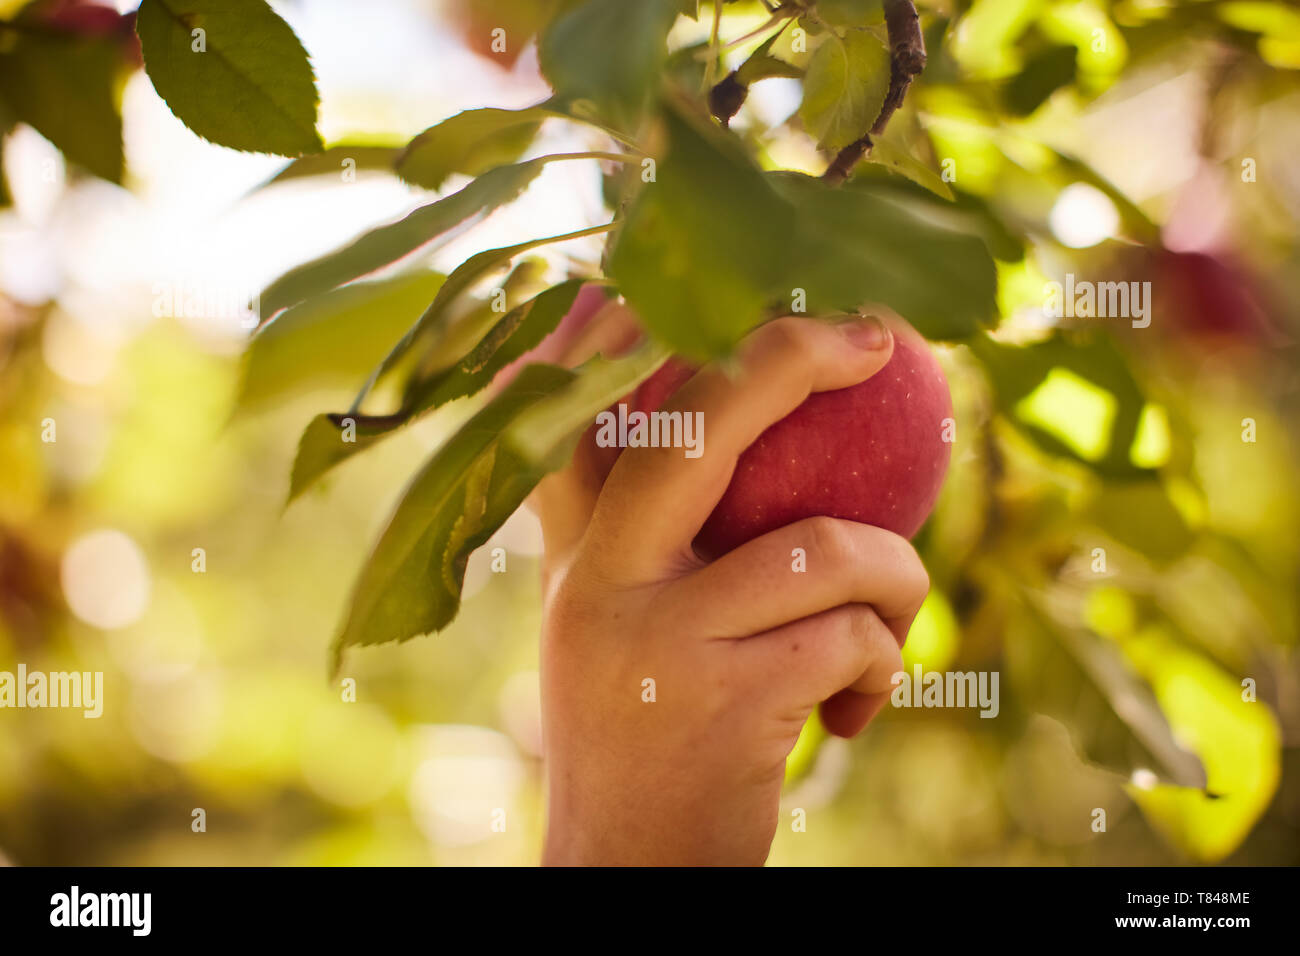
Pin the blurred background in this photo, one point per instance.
(144, 533)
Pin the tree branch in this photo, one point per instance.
(906, 61)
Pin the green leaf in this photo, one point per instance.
(1042, 76)
(468, 323)
(893, 156)
(1059, 669)
(65, 87)
(873, 243)
(386, 244)
(963, 212)
(321, 447)
(244, 82)
(1229, 606)
(1261, 16)
(1017, 371)
(844, 88)
(764, 66)
(518, 332)
(410, 584)
(335, 162)
(1139, 515)
(1239, 742)
(850, 13)
(1005, 240)
(546, 433)
(683, 70)
(433, 323)
(608, 53)
(762, 63)
(335, 338)
(703, 243)
(471, 143)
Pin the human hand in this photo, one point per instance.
(674, 689)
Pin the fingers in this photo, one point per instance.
(808, 661)
(799, 570)
(845, 714)
(563, 501)
(859, 585)
(612, 331)
(659, 498)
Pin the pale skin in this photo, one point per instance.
(740, 650)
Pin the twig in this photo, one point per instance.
(715, 54)
(780, 15)
(906, 61)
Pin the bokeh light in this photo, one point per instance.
(1083, 216)
(106, 579)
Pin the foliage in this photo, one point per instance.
(1074, 436)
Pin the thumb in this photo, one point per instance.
(563, 501)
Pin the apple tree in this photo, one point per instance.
(933, 165)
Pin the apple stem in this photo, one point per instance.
(906, 61)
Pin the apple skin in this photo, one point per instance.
(873, 452)
(475, 21)
(1209, 298)
(87, 18)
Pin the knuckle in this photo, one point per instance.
(855, 625)
(830, 539)
(790, 338)
(922, 581)
(918, 578)
(908, 566)
(860, 621)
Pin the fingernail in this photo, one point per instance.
(867, 333)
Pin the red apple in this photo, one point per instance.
(876, 452)
(1208, 298)
(87, 18)
(497, 30)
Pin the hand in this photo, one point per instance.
(673, 689)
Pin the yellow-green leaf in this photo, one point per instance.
(844, 88)
(470, 143)
(65, 87)
(233, 72)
